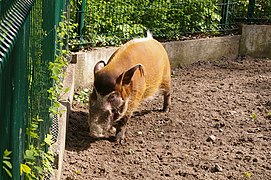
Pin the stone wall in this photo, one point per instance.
(207, 49)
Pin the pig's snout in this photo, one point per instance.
(95, 131)
(94, 135)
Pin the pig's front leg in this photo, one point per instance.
(121, 129)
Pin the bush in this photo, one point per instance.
(110, 22)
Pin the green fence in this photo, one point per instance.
(27, 45)
(103, 22)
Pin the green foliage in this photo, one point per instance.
(253, 116)
(37, 159)
(262, 10)
(32, 130)
(82, 96)
(59, 65)
(111, 22)
(247, 174)
(7, 166)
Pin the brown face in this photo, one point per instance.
(103, 111)
(106, 104)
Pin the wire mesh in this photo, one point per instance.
(112, 22)
(27, 45)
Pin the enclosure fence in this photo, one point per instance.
(27, 45)
(103, 22)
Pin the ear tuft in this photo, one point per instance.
(93, 95)
(99, 65)
(125, 78)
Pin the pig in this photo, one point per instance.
(137, 70)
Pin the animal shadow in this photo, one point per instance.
(145, 112)
(77, 136)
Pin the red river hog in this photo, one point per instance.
(137, 70)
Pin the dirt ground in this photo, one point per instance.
(218, 128)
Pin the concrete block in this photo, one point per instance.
(207, 49)
(86, 62)
(65, 107)
(256, 41)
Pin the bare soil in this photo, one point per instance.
(218, 127)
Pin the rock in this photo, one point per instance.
(211, 138)
(219, 125)
(218, 168)
(141, 141)
(130, 151)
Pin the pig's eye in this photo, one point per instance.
(114, 111)
(112, 98)
(107, 113)
(116, 114)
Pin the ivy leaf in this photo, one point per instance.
(48, 139)
(39, 169)
(55, 70)
(29, 155)
(8, 164)
(7, 153)
(25, 169)
(39, 119)
(7, 171)
(67, 90)
(6, 158)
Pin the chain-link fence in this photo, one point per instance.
(27, 45)
(104, 22)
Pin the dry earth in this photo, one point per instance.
(218, 128)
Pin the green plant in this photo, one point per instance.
(247, 174)
(37, 159)
(7, 166)
(82, 96)
(114, 22)
(59, 65)
(253, 116)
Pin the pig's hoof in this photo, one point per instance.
(120, 140)
(166, 109)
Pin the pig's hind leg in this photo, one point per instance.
(166, 91)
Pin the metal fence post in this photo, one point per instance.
(80, 15)
(225, 13)
(251, 7)
(19, 115)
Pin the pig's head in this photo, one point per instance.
(108, 101)
(103, 111)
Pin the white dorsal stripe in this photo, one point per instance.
(149, 36)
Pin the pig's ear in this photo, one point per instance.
(99, 65)
(115, 99)
(93, 95)
(125, 78)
